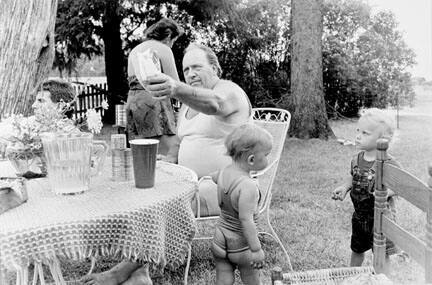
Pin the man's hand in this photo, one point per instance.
(339, 193)
(257, 259)
(161, 86)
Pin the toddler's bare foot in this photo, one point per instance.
(140, 276)
(103, 278)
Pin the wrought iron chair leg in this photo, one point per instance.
(187, 264)
(92, 266)
(276, 238)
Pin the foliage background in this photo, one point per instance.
(364, 55)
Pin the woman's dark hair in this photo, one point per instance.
(163, 28)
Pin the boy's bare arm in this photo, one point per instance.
(248, 201)
(347, 182)
(341, 191)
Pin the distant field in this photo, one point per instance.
(86, 80)
(423, 101)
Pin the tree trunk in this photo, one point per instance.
(26, 51)
(310, 117)
(115, 61)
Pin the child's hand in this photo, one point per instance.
(165, 158)
(257, 259)
(160, 157)
(390, 193)
(339, 193)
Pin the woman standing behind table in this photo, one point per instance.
(147, 117)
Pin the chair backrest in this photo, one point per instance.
(414, 191)
(276, 122)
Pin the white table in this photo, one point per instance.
(113, 219)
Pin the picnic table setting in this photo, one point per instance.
(77, 198)
(255, 142)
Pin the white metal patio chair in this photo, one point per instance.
(276, 121)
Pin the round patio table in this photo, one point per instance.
(112, 219)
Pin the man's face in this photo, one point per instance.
(43, 98)
(197, 70)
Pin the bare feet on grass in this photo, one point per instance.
(103, 278)
(116, 275)
(140, 276)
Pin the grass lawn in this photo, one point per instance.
(316, 229)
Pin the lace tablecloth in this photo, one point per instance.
(113, 219)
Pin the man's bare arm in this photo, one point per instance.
(223, 100)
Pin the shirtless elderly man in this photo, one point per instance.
(212, 108)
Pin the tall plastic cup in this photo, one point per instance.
(144, 153)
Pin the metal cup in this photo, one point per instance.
(122, 164)
(118, 141)
(120, 115)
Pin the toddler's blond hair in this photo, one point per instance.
(245, 139)
(382, 119)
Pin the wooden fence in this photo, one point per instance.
(89, 96)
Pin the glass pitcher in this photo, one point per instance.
(71, 160)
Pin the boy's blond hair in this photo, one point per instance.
(245, 139)
(382, 118)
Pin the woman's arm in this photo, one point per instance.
(166, 57)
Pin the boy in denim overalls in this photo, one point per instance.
(372, 125)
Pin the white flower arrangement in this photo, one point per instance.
(104, 105)
(94, 121)
(22, 134)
